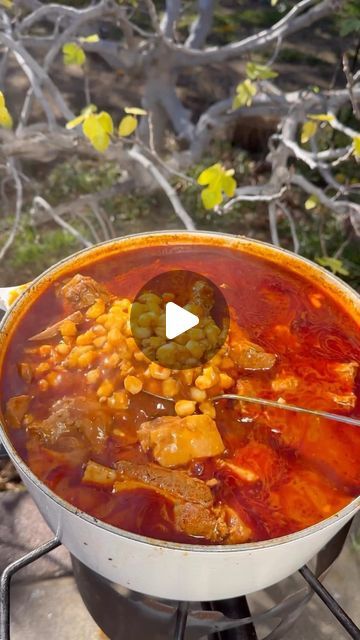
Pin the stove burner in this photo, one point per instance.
(122, 613)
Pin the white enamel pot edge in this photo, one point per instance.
(170, 570)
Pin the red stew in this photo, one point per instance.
(195, 472)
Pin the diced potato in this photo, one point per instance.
(175, 441)
(98, 474)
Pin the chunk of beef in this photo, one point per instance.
(82, 291)
(199, 521)
(175, 483)
(16, 408)
(218, 524)
(251, 357)
(176, 441)
(76, 416)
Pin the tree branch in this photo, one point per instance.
(302, 15)
(166, 186)
(200, 28)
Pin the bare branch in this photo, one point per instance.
(41, 202)
(11, 166)
(292, 225)
(165, 185)
(273, 224)
(170, 17)
(302, 15)
(153, 16)
(200, 28)
(254, 194)
(350, 85)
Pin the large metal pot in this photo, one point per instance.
(165, 569)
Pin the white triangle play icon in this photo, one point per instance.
(178, 320)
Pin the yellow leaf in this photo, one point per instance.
(92, 38)
(105, 120)
(308, 130)
(75, 122)
(210, 174)
(356, 146)
(6, 3)
(100, 141)
(274, 3)
(211, 197)
(127, 126)
(321, 117)
(97, 128)
(135, 111)
(228, 185)
(73, 54)
(311, 203)
(245, 91)
(256, 71)
(6, 120)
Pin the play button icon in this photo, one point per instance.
(178, 320)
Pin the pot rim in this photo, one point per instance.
(174, 236)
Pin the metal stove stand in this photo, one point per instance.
(221, 620)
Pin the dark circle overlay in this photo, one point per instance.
(195, 293)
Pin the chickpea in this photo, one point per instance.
(208, 409)
(114, 336)
(147, 319)
(198, 395)
(158, 372)
(92, 376)
(85, 359)
(119, 400)
(106, 389)
(133, 384)
(226, 381)
(97, 309)
(68, 328)
(184, 408)
(170, 387)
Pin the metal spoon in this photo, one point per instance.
(272, 403)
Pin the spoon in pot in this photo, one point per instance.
(272, 403)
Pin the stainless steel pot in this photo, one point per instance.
(165, 569)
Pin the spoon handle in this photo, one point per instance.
(289, 407)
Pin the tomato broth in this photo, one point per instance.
(76, 411)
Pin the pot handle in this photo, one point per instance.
(8, 295)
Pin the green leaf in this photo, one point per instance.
(211, 197)
(356, 146)
(135, 111)
(256, 71)
(321, 117)
(308, 130)
(73, 54)
(311, 203)
(335, 265)
(127, 126)
(93, 38)
(210, 174)
(245, 91)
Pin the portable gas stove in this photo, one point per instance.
(122, 614)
